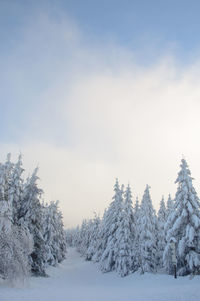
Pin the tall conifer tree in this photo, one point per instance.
(162, 215)
(147, 235)
(111, 223)
(31, 216)
(184, 225)
(125, 237)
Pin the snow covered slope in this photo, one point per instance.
(78, 280)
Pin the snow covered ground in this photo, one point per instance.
(78, 280)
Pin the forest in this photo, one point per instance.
(32, 234)
(134, 238)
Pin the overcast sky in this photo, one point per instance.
(94, 90)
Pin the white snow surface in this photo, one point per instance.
(79, 280)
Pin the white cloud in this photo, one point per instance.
(95, 115)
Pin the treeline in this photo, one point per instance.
(130, 239)
(31, 232)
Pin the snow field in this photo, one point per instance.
(78, 280)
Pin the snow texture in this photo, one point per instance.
(76, 279)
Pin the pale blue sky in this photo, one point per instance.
(149, 29)
(93, 90)
(128, 22)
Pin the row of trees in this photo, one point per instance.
(131, 239)
(31, 232)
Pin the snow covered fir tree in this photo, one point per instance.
(134, 238)
(147, 234)
(183, 226)
(161, 240)
(31, 234)
(130, 237)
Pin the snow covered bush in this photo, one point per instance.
(15, 246)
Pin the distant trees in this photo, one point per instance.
(31, 233)
(131, 239)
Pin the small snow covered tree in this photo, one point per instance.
(7, 170)
(161, 232)
(101, 240)
(125, 237)
(15, 242)
(93, 237)
(147, 235)
(59, 237)
(170, 206)
(74, 236)
(83, 238)
(184, 226)
(111, 224)
(167, 256)
(16, 189)
(71, 236)
(136, 251)
(49, 232)
(15, 246)
(31, 217)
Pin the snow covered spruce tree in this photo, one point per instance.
(54, 235)
(15, 242)
(184, 226)
(161, 242)
(147, 235)
(14, 248)
(110, 225)
(83, 238)
(167, 262)
(31, 217)
(101, 240)
(125, 237)
(16, 188)
(73, 236)
(6, 173)
(59, 236)
(136, 251)
(170, 205)
(93, 237)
